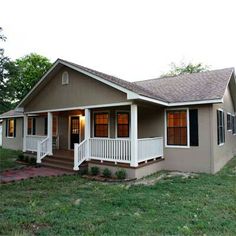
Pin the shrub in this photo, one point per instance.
(20, 157)
(94, 170)
(121, 174)
(106, 173)
(83, 171)
(32, 160)
(26, 158)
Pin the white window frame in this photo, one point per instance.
(188, 128)
(220, 109)
(228, 113)
(109, 122)
(122, 111)
(7, 124)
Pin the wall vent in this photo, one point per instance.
(65, 78)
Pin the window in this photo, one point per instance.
(54, 125)
(101, 124)
(31, 125)
(234, 124)
(220, 127)
(122, 124)
(10, 128)
(177, 128)
(229, 122)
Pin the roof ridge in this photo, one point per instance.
(176, 76)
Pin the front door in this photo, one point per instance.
(74, 131)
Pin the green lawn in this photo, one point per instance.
(8, 159)
(71, 205)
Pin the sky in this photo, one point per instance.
(130, 39)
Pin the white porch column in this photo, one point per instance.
(25, 125)
(50, 133)
(134, 135)
(87, 130)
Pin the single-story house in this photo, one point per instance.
(76, 114)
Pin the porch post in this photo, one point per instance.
(87, 130)
(25, 125)
(134, 135)
(50, 133)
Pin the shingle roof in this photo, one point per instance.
(209, 85)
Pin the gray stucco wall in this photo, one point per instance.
(15, 143)
(222, 154)
(195, 159)
(81, 90)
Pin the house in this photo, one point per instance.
(77, 115)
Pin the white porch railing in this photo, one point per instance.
(80, 153)
(105, 149)
(149, 148)
(42, 149)
(116, 150)
(32, 142)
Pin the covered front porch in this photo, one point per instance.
(115, 134)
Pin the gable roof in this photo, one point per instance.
(203, 87)
(12, 113)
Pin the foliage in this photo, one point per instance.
(25, 72)
(8, 159)
(185, 68)
(106, 173)
(19, 76)
(95, 170)
(5, 103)
(203, 205)
(121, 174)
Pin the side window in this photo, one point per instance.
(11, 128)
(220, 127)
(31, 125)
(101, 121)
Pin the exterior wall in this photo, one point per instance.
(0, 134)
(193, 159)
(222, 154)
(40, 122)
(15, 143)
(81, 91)
(63, 123)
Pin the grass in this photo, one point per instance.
(71, 205)
(8, 159)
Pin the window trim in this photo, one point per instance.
(116, 125)
(220, 109)
(188, 128)
(108, 125)
(230, 115)
(14, 128)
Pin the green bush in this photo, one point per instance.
(95, 170)
(20, 157)
(121, 174)
(26, 158)
(106, 173)
(32, 160)
(83, 171)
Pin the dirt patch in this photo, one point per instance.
(152, 180)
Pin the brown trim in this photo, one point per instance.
(124, 165)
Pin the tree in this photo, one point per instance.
(5, 101)
(25, 72)
(185, 68)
